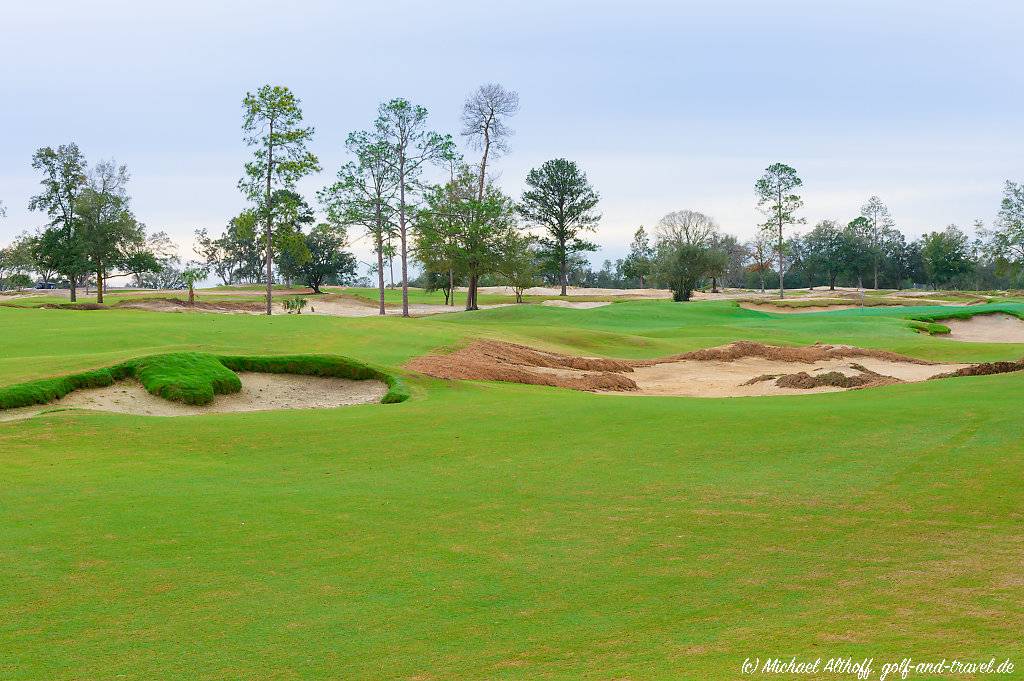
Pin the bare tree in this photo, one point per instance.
(760, 248)
(484, 124)
(687, 227)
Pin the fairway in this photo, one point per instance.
(488, 530)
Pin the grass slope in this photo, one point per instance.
(502, 531)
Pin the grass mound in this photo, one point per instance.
(196, 377)
(930, 328)
(189, 377)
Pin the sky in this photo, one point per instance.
(665, 105)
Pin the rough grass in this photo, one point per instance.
(196, 377)
(931, 328)
(189, 377)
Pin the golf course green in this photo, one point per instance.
(485, 530)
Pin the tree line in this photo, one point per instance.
(416, 197)
(690, 251)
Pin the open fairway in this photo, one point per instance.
(504, 531)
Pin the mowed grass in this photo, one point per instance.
(484, 530)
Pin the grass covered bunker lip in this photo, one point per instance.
(195, 378)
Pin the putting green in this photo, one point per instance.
(502, 531)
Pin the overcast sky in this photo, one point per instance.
(665, 105)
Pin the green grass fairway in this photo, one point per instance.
(499, 531)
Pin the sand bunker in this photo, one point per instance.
(177, 305)
(985, 328)
(576, 305)
(739, 369)
(789, 309)
(260, 392)
(337, 307)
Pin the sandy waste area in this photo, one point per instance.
(738, 369)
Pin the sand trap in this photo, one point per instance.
(260, 392)
(350, 307)
(786, 309)
(575, 306)
(355, 308)
(985, 328)
(735, 370)
(177, 305)
(576, 291)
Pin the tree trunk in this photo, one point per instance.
(451, 287)
(782, 274)
(832, 282)
(564, 274)
(270, 253)
(402, 236)
(714, 284)
(99, 286)
(483, 162)
(380, 272)
(72, 283)
(876, 275)
(191, 295)
(471, 292)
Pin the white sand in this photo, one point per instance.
(985, 328)
(575, 305)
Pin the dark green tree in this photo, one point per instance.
(326, 261)
(468, 230)
(638, 263)
(946, 255)
(858, 258)
(825, 245)
(64, 178)
(559, 199)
